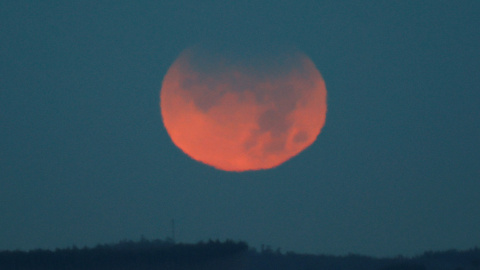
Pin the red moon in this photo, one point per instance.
(242, 117)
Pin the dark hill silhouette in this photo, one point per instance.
(213, 255)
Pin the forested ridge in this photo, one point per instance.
(213, 255)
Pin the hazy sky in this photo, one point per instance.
(85, 159)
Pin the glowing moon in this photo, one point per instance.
(239, 115)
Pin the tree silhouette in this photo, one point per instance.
(216, 255)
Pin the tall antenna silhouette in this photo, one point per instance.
(173, 230)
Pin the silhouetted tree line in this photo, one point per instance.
(131, 255)
(216, 255)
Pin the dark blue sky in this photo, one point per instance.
(84, 157)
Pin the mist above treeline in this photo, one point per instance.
(212, 255)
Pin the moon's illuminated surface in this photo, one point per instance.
(239, 115)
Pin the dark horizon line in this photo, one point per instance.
(168, 242)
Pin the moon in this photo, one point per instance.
(241, 110)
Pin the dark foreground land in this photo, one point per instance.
(226, 255)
